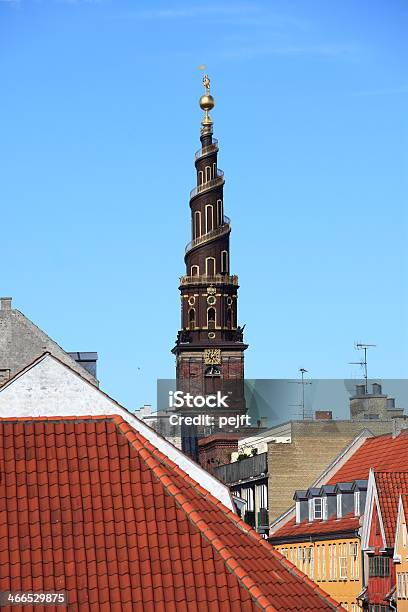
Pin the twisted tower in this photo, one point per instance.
(209, 347)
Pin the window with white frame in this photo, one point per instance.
(342, 561)
(311, 562)
(315, 508)
(323, 571)
(209, 218)
(210, 266)
(197, 224)
(195, 270)
(219, 212)
(330, 561)
(339, 505)
(354, 560)
(357, 511)
(200, 177)
(302, 559)
(248, 495)
(214, 170)
(263, 496)
(318, 562)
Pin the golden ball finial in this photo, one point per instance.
(207, 102)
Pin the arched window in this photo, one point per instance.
(219, 212)
(210, 266)
(207, 174)
(195, 270)
(200, 177)
(214, 170)
(211, 318)
(191, 318)
(224, 261)
(229, 318)
(197, 224)
(209, 218)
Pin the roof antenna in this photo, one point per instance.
(360, 346)
(302, 382)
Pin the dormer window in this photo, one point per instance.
(339, 506)
(315, 508)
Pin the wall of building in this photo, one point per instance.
(335, 565)
(21, 342)
(401, 568)
(314, 445)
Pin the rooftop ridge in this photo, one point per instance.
(224, 550)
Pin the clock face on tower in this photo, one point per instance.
(212, 356)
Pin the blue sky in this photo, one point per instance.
(99, 124)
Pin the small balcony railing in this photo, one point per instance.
(251, 467)
(206, 150)
(203, 279)
(215, 233)
(219, 180)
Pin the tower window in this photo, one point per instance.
(200, 177)
(224, 261)
(207, 174)
(214, 170)
(195, 270)
(197, 224)
(219, 212)
(209, 218)
(211, 318)
(229, 318)
(191, 318)
(210, 266)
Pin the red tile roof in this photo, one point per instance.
(331, 525)
(390, 485)
(89, 506)
(380, 453)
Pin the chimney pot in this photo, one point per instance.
(377, 389)
(5, 303)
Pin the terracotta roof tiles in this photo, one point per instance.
(390, 485)
(87, 504)
(386, 453)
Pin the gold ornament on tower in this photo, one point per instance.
(207, 102)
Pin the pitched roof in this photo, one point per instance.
(90, 506)
(390, 485)
(332, 525)
(48, 387)
(379, 453)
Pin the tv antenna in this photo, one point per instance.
(302, 382)
(360, 346)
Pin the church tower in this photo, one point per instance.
(209, 347)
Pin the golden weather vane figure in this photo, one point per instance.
(206, 101)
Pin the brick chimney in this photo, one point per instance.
(5, 303)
